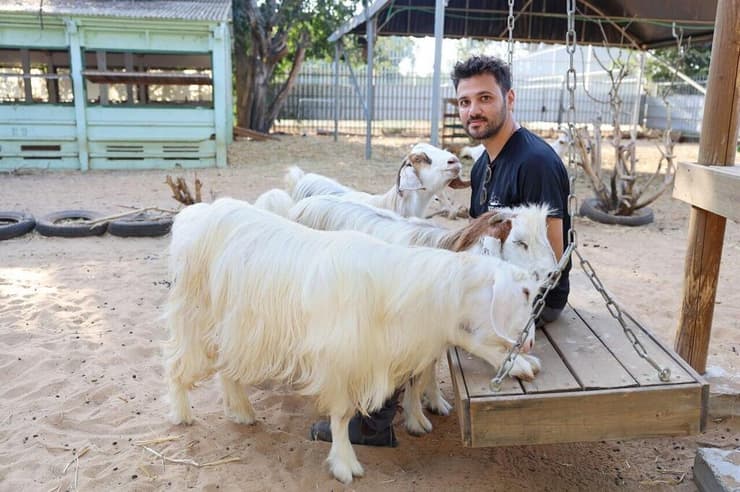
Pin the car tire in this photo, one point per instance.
(140, 225)
(53, 225)
(14, 224)
(591, 208)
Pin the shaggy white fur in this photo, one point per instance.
(339, 315)
(426, 170)
(519, 234)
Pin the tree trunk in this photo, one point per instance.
(260, 45)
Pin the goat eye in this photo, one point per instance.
(522, 244)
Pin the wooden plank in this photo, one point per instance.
(477, 375)
(166, 78)
(591, 307)
(555, 375)
(590, 361)
(462, 400)
(595, 415)
(712, 188)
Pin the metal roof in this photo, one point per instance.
(196, 10)
(630, 23)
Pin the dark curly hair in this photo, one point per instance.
(479, 64)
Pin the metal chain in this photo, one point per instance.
(550, 282)
(664, 373)
(510, 26)
(554, 276)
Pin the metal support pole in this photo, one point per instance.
(638, 97)
(370, 86)
(336, 90)
(439, 28)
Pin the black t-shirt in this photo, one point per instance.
(526, 171)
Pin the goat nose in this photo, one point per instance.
(527, 346)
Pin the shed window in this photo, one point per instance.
(34, 76)
(151, 79)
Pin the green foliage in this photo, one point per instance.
(318, 18)
(695, 63)
(389, 51)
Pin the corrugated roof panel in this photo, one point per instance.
(198, 10)
(635, 23)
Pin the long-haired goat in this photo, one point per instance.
(339, 315)
(520, 235)
(426, 170)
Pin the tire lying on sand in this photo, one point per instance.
(143, 224)
(590, 207)
(14, 224)
(70, 223)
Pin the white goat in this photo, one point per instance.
(426, 170)
(276, 201)
(520, 235)
(339, 315)
(472, 151)
(561, 145)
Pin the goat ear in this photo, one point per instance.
(500, 229)
(408, 180)
(496, 217)
(459, 184)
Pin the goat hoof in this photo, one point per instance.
(418, 427)
(534, 362)
(522, 369)
(341, 472)
(440, 407)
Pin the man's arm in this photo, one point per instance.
(555, 235)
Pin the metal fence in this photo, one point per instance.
(402, 103)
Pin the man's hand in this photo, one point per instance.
(555, 236)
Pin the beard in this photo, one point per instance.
(490, 129)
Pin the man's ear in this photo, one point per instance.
(511, 99)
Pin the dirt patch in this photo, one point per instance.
(81, 327)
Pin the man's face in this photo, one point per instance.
(483, 109)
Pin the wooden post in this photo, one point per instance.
(716, 147)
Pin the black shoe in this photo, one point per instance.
(359, 433)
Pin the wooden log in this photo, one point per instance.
(246, 132)
(706, 229)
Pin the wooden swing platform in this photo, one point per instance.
(593, 385)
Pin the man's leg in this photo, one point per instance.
(548, 315)
(374, 430)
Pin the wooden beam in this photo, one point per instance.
(164, 78)
(712, 188)
(27, 87)
(102, 67)
(706, 229)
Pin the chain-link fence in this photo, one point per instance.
(403, 102)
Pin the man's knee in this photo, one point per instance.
(548, 315)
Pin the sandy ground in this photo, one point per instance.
(80, 335)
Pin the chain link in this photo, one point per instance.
(664, 373)
(539, 304)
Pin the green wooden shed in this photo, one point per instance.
(115, 84)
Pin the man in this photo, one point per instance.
(518, 167)
(523, 169)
